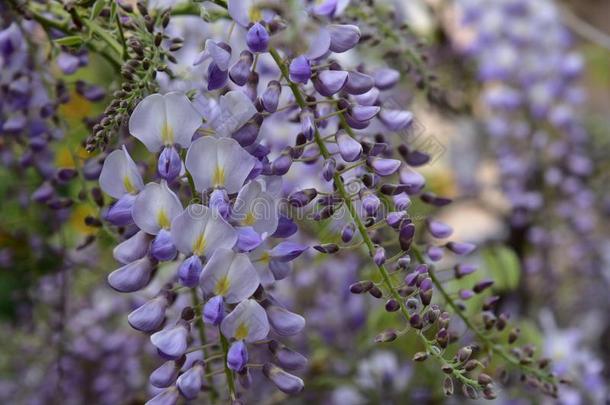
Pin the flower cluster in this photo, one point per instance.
(531, 95)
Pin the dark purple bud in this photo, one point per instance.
(328, 171)
(328, 248)
(375, 292)
(358, 83)
(438, 229)
(171, 342)
(396, 120)
(162, 247)
(404, 262)
(435, 253)
(513, 335)
(119, 213)
(389, 335)
(382, 166)
(394, 219)
(132, 277)
(405, 236)
(361, 287)
(214, 310)
(90, 91)
(247, 134)
(284, 381)
(330, 82)
(284, 322)
(461, 248)
(92, 169)
(44, 193)
(417, 158)
(482, 286)
(166, 374)
(286, 357)
(374, 148)
(237, 356)
(300, 69)
(426, 284)
(64, 175)
(257, 38)
(464, 354)
(448, 386)
(420, 356)
(271, 96)
(149, 317)
(349, 148)
(302, 197)
(308, 126)
(392, 305)
(343, 37)
(189, 271)
(281, 165)
(347, 233)
(433, 199)
(216, 78)
(240, 71)
(462, 270)
(190, 382)
(386, 78)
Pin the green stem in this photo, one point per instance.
(497, 349)
(201, 328)
(230, 379)
(385, 276)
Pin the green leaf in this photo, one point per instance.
(503, 265)
(73, 40)
(98, 6)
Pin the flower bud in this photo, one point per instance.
(388, 335)
(433, 199)
(464, 354)
(438, 229)
(190, 382)
(237, 356)
(162, 247)
(382, 166)
(303, 197)
(169, 164)
(358, 83)
(392, 305)
(420, 356)
(284, 322)
(172, 342)
(343, 37)
(300, 69)
(169, 396)
(482, 286)
(371, 203)
(361, 287)
(405, 236)
(448, 386)
(308, 126)
(271, 96)
(166, 374)
(349, 148)
(330, 82)
(286, 357)
(284, 381)
(132, 277)
(214, 310)
(189, 271)
(328, 171)
(119, 213)
(461, 248)
(257, 38)
(149, 317)
(132, 249)
(379, 256)
(328, 248)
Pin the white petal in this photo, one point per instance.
(218, 163)
(256, 208)
(229, 274)
(236, 108)
(120, 174)
(164, 120)
(248, 321)
(182, 118)
(155, 208)
(201, 230)
(147, 121)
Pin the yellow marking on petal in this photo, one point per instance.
(128, 185)
(167, 134)
(222, 286)
(241, 332)
(218, 179)
(162, 219)
(255, 14)
(77, 219)
(199, 245)
(250, 218)
(265, 258)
